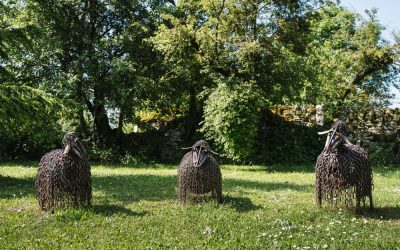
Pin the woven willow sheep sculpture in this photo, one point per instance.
(64, 177)
(343, 171)
(199, 172)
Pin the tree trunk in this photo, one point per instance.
(81, 100)
(193, 118)
(103, 132)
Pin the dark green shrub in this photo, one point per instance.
(380, 154)
(279, 141)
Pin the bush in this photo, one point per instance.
(30, 140)
(380, 154)
(279, 141)
(231, 119)
(103, 155)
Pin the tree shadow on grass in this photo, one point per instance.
(231, 184)
(290, 168)
(109, 210)
(24, 164)
(278, 168)
(11, 187)
(132, 188)
(240, 204)
(382, 213)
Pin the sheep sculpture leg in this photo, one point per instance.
(182, 190)
(318, 192)
(358, 198)
(219, 193)
(371, 204)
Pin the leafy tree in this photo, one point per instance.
(94, 55)
(351, 65)
(218, 63)
(231, 118)
(246, 43)
(27, 113)
(293, 52)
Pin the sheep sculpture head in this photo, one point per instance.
(201, 151)
(336, 137)
(72, 144)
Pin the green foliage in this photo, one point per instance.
(381, 153)
(106, 62)
(19, 103)
(103, 155)
(265, 207)
(288, 142)
(29, 125)
(349, 64)
(231, 117)
(71, 215)
(292, 52)
(110, 155)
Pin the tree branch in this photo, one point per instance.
(171, 2)
(379, 64)
(212, 64)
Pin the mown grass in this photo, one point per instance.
(266, 207)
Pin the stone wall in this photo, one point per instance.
(381, 125)
(303, 115)
(373, 129)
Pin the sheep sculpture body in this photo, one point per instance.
(199, 172)
(343, 171)
(64, 177)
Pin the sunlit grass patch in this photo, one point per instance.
(265, 207)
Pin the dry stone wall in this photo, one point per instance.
(303, 115)
(379, 125)
(370, 128)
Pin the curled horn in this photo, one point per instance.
(323, 132)
(214, 153)
(330, 139)
(82, 147)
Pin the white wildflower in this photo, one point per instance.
(207, 231)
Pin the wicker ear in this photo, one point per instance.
(66, 150)
(186, 148)
(82, 147)
(323, 132)
(347, 140)
(77, 152)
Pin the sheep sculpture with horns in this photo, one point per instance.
(199, 172)
(343, 170)
(64, 178)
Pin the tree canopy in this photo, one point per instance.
(102, 67)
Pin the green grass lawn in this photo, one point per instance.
(137, 208)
